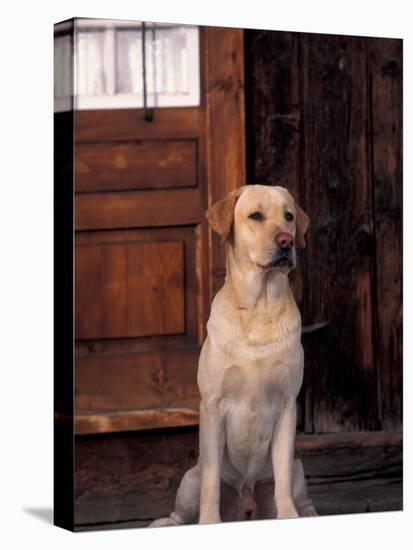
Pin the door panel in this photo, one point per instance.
(129, 289)
(108, 382)
(138, 209)
(145, 164)
(188, 241)
(130, 124)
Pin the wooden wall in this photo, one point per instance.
(324, 118)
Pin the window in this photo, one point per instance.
(126, 64)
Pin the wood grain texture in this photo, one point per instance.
(111, 384)
(387, 181)
(127, 477)
(144, 419)
(130, 124)
(134, 477)
(129, 289)
(225, 129)
(316, 124)
(187, 238)
(339, 257)
(272, 103)
(156, 164)
(156, 281)
(128, 209)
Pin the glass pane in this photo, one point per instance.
(129, 62)
(109, 64)
(90, 71)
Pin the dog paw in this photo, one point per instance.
(209, 519)
(308, 512)
(287, 512)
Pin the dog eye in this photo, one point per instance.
(288, 216)
(257, 216)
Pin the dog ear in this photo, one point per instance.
(221, 214)
(302, 223)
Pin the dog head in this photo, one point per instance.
(263, 224)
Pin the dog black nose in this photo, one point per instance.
(285, 241)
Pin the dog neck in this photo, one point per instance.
(255, 290)
(263, 303)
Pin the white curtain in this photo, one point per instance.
(108, 64)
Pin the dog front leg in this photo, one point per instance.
(282, 454)
(211, 447)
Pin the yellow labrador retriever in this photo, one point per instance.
(250, 370)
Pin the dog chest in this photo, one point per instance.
(251, 400)
(250, 404)
(256, 384)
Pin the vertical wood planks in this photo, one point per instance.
(387, 132)
(339, 259)
(224, 86)
(273, 110)
(324, 119)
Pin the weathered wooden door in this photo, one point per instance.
(146, 264)
(324, 118)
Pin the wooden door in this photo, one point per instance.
(324, 118)
(146, 263)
